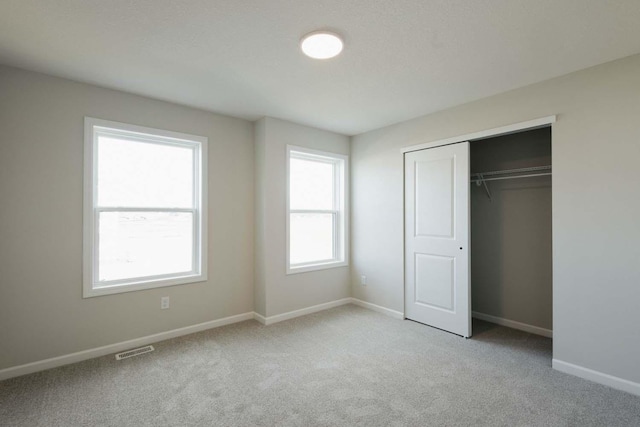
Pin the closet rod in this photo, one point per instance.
(510, 177)
(509, 171)
(480, 178)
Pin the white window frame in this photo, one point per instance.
(93, 128)
(340, 211)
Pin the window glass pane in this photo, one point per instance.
(311, 184)
(138, 174)
(141, 244)
(311, 238)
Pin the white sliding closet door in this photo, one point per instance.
(437, 289)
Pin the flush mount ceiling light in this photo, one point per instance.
(321, 45)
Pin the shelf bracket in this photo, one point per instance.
(480, 182)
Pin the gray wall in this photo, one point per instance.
(276, 291)
(511, 268)
(596, 206)
(42, 313)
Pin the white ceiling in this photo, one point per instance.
(402, 58)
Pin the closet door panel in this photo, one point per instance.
(437, 289)
(434, 182)
(435, 281)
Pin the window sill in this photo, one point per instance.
(316, 267)
(90, 291)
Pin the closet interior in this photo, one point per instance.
(511, 237)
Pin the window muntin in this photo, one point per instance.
(316, 218)
(145, 208)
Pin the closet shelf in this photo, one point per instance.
(537, 171)
(481, 178)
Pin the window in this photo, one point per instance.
(145, 206)
(317, 210)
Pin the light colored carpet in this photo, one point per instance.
(345, 366)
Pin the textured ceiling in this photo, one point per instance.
(402, 58)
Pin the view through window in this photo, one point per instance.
(316, 218)
(146, 208)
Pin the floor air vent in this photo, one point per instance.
(134, 352)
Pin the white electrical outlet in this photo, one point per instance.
(164, 303)
(363, 280)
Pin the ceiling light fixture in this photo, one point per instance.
(321, 45)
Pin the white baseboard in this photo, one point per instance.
(260, 318)
(270, 320)
(596, 376)
(514, 325)
(568, 368)
(378, 308)
(92, 353)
